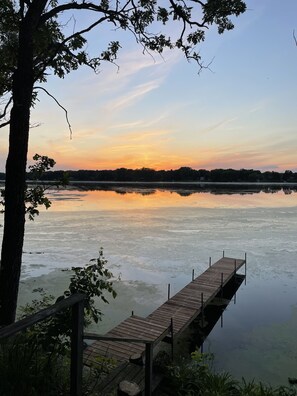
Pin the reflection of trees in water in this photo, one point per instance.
(123, 191)
(187, 191)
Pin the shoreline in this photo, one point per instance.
(163, 183)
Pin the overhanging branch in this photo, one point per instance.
(59, 104)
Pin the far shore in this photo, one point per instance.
(163, 183)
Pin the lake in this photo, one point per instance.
(155, 236)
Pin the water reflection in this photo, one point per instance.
(93, 197)
(201, 327)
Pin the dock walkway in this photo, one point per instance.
(170, 319)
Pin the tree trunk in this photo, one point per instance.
(14, 216)
(15, 183)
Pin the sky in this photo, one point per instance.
(158, 112)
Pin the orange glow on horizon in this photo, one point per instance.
(74, 165)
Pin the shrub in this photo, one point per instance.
(37, 361)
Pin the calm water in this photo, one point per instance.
(155, 237)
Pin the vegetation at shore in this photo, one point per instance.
(37, 361)
(197, 378)
(184, 174)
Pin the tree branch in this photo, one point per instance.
(183, 16)
(59, 104)
(75, 6)
(4, 124)
(5, 108)
(60, 46)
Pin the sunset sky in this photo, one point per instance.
(159, 113)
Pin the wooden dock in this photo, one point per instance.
(169, 320)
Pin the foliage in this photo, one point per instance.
(253, 389)
(195, 377)
(187, 377)
(175, 175)
(35, 196)
(37, 361)
(93, 280)
(27, 369)
(59, 49)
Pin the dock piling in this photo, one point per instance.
(148, 368)
(245, 268)
(202, 311)
(172, 345)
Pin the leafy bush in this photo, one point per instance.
(37, 361)
(26, 369)
(195, 377)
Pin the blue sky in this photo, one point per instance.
(159, 113)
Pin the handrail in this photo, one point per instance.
(41, 315)
(149, 345)
(76, 301)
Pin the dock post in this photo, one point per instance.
(245, 269)
(223, 253)
(193, 274)
(222, 282)
(171, 329)
(132, 314)
(202, 311)
(209, 262)
(235, 267)
(148, 368)
(76, 368)
(168, 291)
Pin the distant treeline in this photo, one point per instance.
(184, 174)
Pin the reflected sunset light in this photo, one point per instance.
(136, 199)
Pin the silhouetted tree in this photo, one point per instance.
(34, 40)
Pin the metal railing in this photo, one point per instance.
(149, 349)
(76, 303)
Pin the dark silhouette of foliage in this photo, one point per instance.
(184, 174)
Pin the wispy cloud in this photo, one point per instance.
(138, 137)
(217, 125)
(141, 124)
(135, 94)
